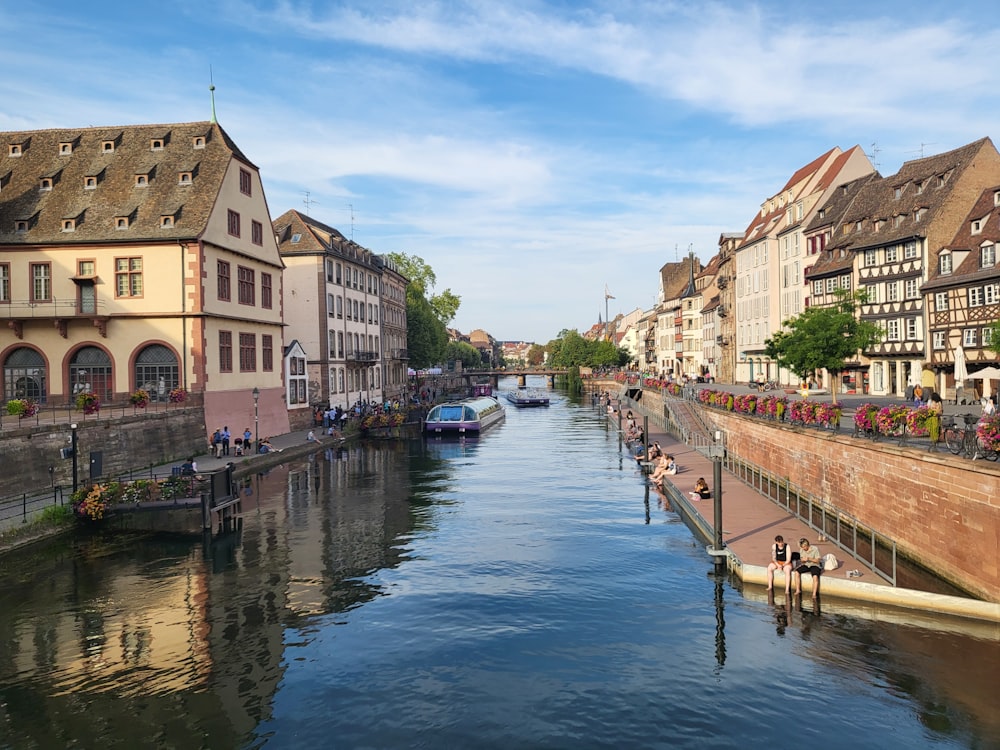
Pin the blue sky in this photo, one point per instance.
(531, 152)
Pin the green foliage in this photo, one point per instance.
(421, 277)
(823, 337)
(56, 515)
(994, 345)
(465, 352)
(426, 336)
(575, 382)
(572, 349)
(536, 355)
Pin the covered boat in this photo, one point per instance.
(527, 397)
(460, 417)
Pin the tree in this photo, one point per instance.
(444, 305)
(823, 338)
(426, 336)
(536, 355)
(994, 345)
(466, 353)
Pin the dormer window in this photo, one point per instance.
(156, 144)
(45, 183)
(988, 256)
(822, 213)
(21, 225)
(184, 178)
(919, 214)
(107, 147)
(996, 198)
(167, 221)
(945, 262)
(897, 220)
(920, 187)
(141, 180)
(897, 193)
(15, 149)
(198, 141)
(858, 226)
(65, 148)
(90, 182)
(69, 225)
(977, 226)
(121, 222)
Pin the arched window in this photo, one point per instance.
(24, 375)
(156, 371)
(90, 372)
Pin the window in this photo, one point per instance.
(845, 281)
(234, 223)
(340, 351)
(108, 147)
(897, 192)
(831, 285)
(892, 291)
(128, 277)
(90, 182)
(86, 268)
(256, 232)
(329, 305)
(977, 226)
(892, 330)
(941, 301)
(919, 214)
(45, 183)
(4, 282)
(818, 287)
(225, 351)
(225, 274)
(987, 337)
(938, 340)
(340, 307)
(69, 225)
(338, 273)
(988, 256)
(166, 221)
(991, 294)
(141, 180)
(892, 254)
(121, 222)
(245, 182)
(910, 250)
(871, 257)
(329, 270)
(911, 329)
(198, 141)
(156, 144)
(945, 262)
(248, 352)
(871, 293)
(912, 288)
(245, 286)
(184, 178)
(975, 296)
(267, 352)
(969, 338)
(265, 291)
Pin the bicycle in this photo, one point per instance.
(965, 441)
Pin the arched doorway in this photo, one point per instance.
(156, 371)
(90, 372)
(24, 375)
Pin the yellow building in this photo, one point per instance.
(140, 257)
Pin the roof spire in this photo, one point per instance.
(211, 88)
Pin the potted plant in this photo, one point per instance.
(989, 432)
(88, 402)
(177, 395)
(22, 407)
(140, 398)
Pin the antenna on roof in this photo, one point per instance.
(921, 149)
(308, 202)
(211, 88)
(351, 206)
(873, 156)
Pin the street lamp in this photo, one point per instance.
(73, 448)
(717, 452)
(256, 419)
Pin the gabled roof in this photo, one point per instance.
(299, 234)
(114, 155)
(987, 212)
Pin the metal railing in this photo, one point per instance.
(24, 506)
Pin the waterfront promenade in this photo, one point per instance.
(750, 522)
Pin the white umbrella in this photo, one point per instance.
(961, 371)
(986, 375)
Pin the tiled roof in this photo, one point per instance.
(313, 236)
(831, 214)
(113, 157)
(969, 271)
(921, 184)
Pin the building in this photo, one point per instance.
(962, 297)
(725, 329)
(333, 309)
(140, 257)
(395, 355)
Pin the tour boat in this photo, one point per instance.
(527, 397)
(461, 417)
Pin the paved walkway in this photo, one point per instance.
(750, 522)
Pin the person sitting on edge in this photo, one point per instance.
(701, 490)
(660, 469)
(809, 562)
(311, 437)
(781, 559)
(671, 465)
(266, 447)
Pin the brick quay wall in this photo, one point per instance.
(943, 511)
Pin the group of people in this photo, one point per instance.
(807, 559)
(221, 442)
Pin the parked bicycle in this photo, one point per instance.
(964, 440)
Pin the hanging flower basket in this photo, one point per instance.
(88, 403)
(22, 407)
(140, 399)
(989, 432)
(177, 396)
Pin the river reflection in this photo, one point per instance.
(521, 590)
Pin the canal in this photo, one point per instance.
(519, 590)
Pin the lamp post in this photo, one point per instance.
(717, 451)
(256, 418)
(72, 427)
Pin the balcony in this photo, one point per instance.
(59, 311)
(399, 354)
(360, 356)
(722, 340)
(722, 281)
(723, 311)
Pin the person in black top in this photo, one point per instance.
(781, 559)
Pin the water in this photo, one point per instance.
(520, 590)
